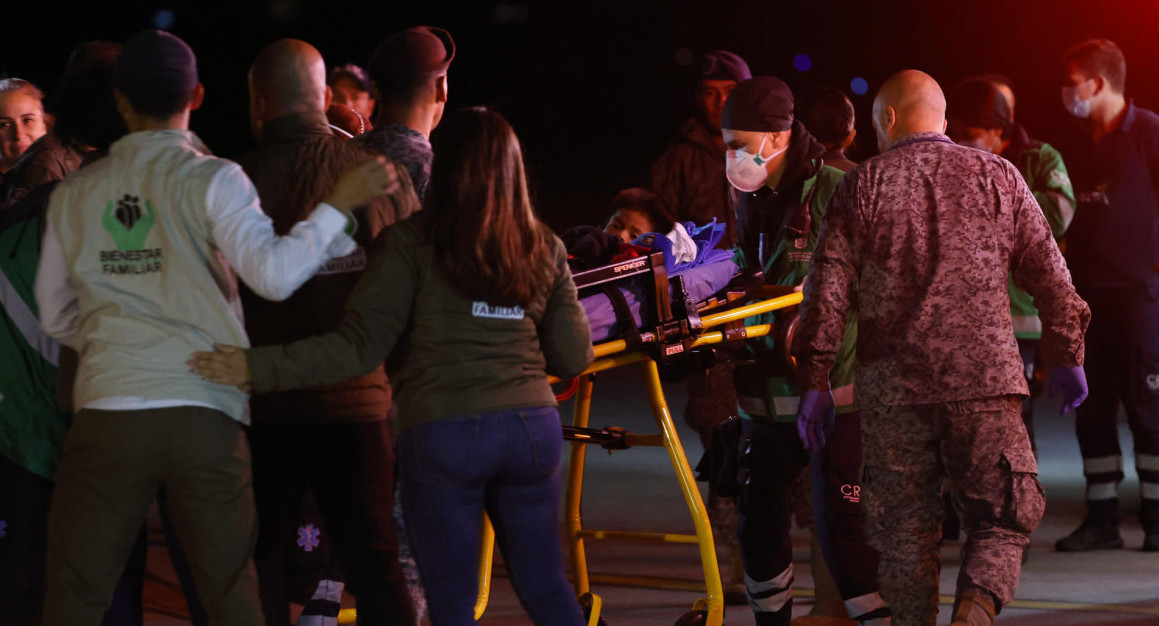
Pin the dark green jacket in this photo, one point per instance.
(447, 355)
(766, 390)
(1046, 175)
(31, 426)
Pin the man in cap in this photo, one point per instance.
(780, 189)
(333, 439)
(689, 178)
(1112, 249)
(408, 78)
(134, 276)
(918, 244)
(979, 116)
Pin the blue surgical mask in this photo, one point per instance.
(1076, 107)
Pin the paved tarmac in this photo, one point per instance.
(636, 490)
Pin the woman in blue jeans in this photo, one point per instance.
(472, 306)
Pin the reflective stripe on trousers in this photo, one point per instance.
(769, 596)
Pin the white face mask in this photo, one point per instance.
(1076, 107)
(747, 171)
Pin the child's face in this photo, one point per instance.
(628, 224)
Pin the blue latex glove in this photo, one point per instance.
(1073, 383)
(815, 418)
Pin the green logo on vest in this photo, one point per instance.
(127, 224)
(129, 227)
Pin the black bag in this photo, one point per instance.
(718, 467)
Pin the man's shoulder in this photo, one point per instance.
(829, 175)
(408, 235)
(1037, 156)
(317, 149)
(1146, 121)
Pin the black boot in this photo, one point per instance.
(1149, 516)
(1099, 531)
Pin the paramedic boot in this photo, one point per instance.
(1099, 531)
(1149, 515)
(974, 607)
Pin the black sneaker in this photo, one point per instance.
(1092, 537)
(1151, 542)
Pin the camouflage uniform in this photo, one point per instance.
(982, 446)
(404, 145)
(689, 177)
(922, 239)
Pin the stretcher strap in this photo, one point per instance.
(566, 394)
(625, 324)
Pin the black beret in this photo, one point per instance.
(724, 65)
(761, 104)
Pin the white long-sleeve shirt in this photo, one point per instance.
(135, 268)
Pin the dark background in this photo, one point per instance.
(595, 89)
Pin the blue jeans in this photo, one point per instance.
(506, 462)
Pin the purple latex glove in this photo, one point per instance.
(1073, 383)
(815, 418)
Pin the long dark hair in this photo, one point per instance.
(486, 237)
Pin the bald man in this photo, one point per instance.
(922, 238)
(334, 439)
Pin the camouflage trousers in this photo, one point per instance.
(711, 400)
(982, 448)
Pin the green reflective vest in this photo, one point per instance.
(764, 393)
(1045, 173)
(31, 426)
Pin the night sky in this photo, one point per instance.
(595, 89)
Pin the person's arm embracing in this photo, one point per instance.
(377, 313)
(274, 267)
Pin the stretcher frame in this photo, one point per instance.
(645, 349)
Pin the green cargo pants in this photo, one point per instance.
(113, 464)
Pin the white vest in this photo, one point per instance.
(151, 288)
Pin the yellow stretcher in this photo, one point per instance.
(609, 355)
(645, 348)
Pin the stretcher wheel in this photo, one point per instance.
(698, 617)
(586, 602)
